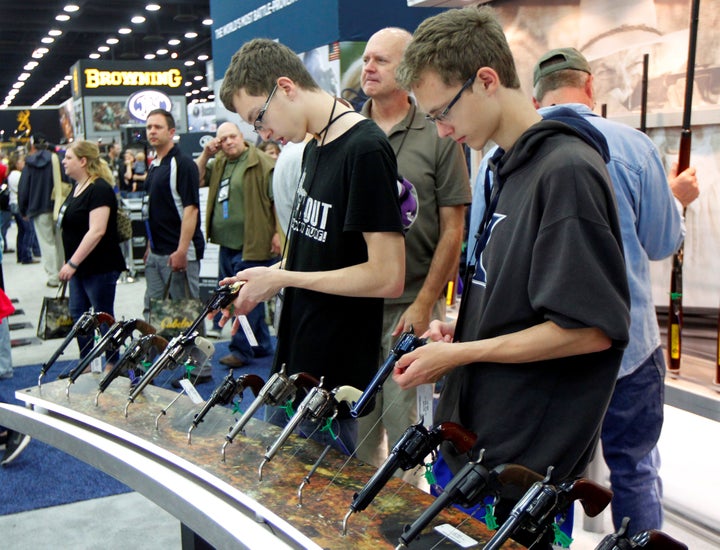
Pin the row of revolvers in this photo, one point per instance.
(187, 348)
(534, 514)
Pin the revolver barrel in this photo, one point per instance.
(406, 342)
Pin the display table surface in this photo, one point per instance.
(224, 502)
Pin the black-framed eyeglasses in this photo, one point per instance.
(442, 116)
(258, 119)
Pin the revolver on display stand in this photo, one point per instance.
(225, 393)
(652, 540)
(110, 342)
(277, 391)
(187, 348)
(535, 512)
(318, 404)
(410, 452)
(183, 345)
(468, 488)
(341, 394)
(405, 343)
(85, 326)
(137, 351)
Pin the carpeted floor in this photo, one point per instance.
(43, 476)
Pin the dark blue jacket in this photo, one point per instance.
(36, 185)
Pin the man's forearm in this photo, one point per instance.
(538, 343)
(382, 276)
(446, 257)
(187, 228)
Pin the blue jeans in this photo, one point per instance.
(25, 237)
(5, 221)
(231, 261)
(630, 433)
(6, 367)
(98, 292)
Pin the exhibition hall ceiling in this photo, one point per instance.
(104, 29)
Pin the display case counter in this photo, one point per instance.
(224, 502)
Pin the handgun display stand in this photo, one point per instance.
(224, 503)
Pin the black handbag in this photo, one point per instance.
(55, 319)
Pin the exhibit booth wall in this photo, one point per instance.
(613, 34)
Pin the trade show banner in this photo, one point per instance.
(304, 24)
(111, 95)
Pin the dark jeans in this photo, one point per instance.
(98, 292)
(231, 261)
(630, 433)
(5, 221)
(26, 243)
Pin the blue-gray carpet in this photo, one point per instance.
(43, 476)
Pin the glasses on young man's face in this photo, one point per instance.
(442, 116)
(258, 119)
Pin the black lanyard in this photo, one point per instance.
(492, 196)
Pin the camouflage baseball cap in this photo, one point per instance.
(559, 60)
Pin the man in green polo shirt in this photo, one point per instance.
(241, 219)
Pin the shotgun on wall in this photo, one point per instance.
(675, 312)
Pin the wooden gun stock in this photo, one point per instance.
(463, 440)
(657, 540)
(593, 497)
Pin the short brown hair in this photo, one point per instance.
(257, 65)
(455, 44)
(169, 119)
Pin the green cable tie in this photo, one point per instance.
(328, 428)
(429, 476)
(188, 369)
(490, 519)
(675, 295)
(561, 538)
(288, 408)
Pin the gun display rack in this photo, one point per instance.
(268, 507)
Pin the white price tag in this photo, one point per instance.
(96, 365)
(191, 391)
(458, 537)
(425, 404)
(249, 334)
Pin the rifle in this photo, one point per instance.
(717, 355)
(410, 451)
(644, 94)
(110, 342)
(84, 326)
(224, 394)
(675, 312)
(405, 343)
(137, 351)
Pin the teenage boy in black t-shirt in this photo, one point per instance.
(346, 248)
